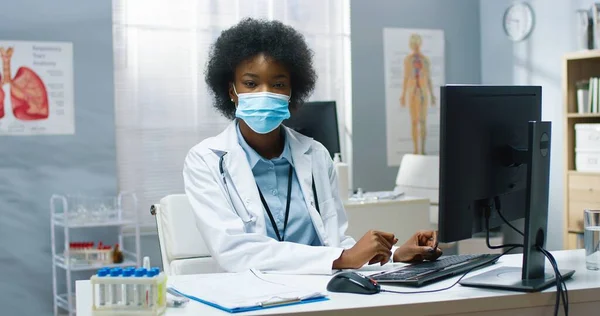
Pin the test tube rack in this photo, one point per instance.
(133, 294)
(84, 252)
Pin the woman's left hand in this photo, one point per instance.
(421, 246)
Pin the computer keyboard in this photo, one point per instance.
(448, 261)
(431, 270)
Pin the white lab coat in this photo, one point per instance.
(230, 215)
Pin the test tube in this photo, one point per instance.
(155, 286)
(127, 289)
(139, 295)
(100, 254)
(132, 286)
(102, 287)
(146, 263)
(150, 301)
(114, 288)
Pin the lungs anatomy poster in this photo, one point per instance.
(414, 72)
(36, 88)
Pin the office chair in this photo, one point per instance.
(182, 248)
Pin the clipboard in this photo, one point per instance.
(242, 292)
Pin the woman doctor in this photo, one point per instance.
(266, 197)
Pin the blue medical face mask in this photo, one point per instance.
(263, 112)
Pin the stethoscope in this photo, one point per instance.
(222, 171)
(250, 216)
(224, 179)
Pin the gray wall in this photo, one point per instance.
(460, 21)
(535, 61)
(33, 168)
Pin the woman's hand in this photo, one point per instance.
(373, 247)
(421, 246)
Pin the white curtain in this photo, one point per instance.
(162, 105)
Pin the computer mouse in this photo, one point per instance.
(352, 282)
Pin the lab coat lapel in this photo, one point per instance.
(303, 166)
(242, 178)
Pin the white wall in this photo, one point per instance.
(535, 61)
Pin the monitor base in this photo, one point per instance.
(509, 278)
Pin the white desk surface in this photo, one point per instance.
(584, 296)
(403, 199)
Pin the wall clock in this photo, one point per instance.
(518, 21)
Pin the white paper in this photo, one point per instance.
(239, 290)
(36, 95)
(399, 120)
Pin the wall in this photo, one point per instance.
(460, 21)
(535, 61)
(33, 168)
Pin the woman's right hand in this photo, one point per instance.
(373, 247)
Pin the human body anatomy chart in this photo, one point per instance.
(36, 88)
(414, 71)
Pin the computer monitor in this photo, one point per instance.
(495, 151)
(317, 120)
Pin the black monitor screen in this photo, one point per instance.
(317, 120)
(478, 126)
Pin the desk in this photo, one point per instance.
(402, 216)
(584, 296)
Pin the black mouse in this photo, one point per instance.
(352, 282)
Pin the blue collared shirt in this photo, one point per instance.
(272, 179)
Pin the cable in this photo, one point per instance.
(555, 265)
(487, 232)
(561, 287)
(448, 287)
(498, 208)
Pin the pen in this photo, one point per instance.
(435, 246)
(177, 300)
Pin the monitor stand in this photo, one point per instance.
(531, 277)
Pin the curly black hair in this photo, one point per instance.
(249, 38)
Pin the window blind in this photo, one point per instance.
(162, 105)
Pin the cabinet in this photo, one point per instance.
(582, 189)
(80, 215)
(402, 216)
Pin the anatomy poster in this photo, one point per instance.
(414, 72)
(36, 95)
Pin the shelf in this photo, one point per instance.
(59, 220)
(584, 173)
(62, 301)
(82, 213)
(576, 66)
(146, 229)
(583, 54)
(583, 115)
(60, 262)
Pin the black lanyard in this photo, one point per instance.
(287, 207)
(281, 236)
